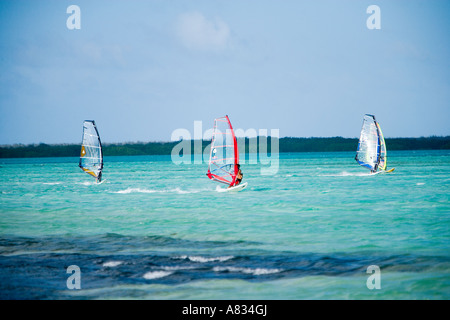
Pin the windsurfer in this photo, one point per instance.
(238, 176)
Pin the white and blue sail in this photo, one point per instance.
(371, 152)
(91, 157)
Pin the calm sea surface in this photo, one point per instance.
(157, 230)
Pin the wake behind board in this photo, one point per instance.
(239, 187)
(383, 171)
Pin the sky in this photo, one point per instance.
(143, 69)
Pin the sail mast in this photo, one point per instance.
(236, 151)
(382, 162)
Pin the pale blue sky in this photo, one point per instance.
(142, 69)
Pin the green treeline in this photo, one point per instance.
(287, 144)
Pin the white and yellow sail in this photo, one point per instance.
(91, 156)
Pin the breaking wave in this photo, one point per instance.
(112, 264)
(253, 271)
(156, 274)
(206, 259)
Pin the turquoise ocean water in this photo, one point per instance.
(157, 230)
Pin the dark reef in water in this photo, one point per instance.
(36, 268)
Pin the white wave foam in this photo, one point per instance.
(175, 190)
(420, 183)
(204, 259)
(135, 190)
(87, 183)
(175, 268)
(346, 174)
(52, 183)
(179, 191)
(256, 271)
(219, 189)
(156, 274)
(112, 264)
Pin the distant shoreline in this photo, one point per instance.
(286, 144)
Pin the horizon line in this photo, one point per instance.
(203, 140)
